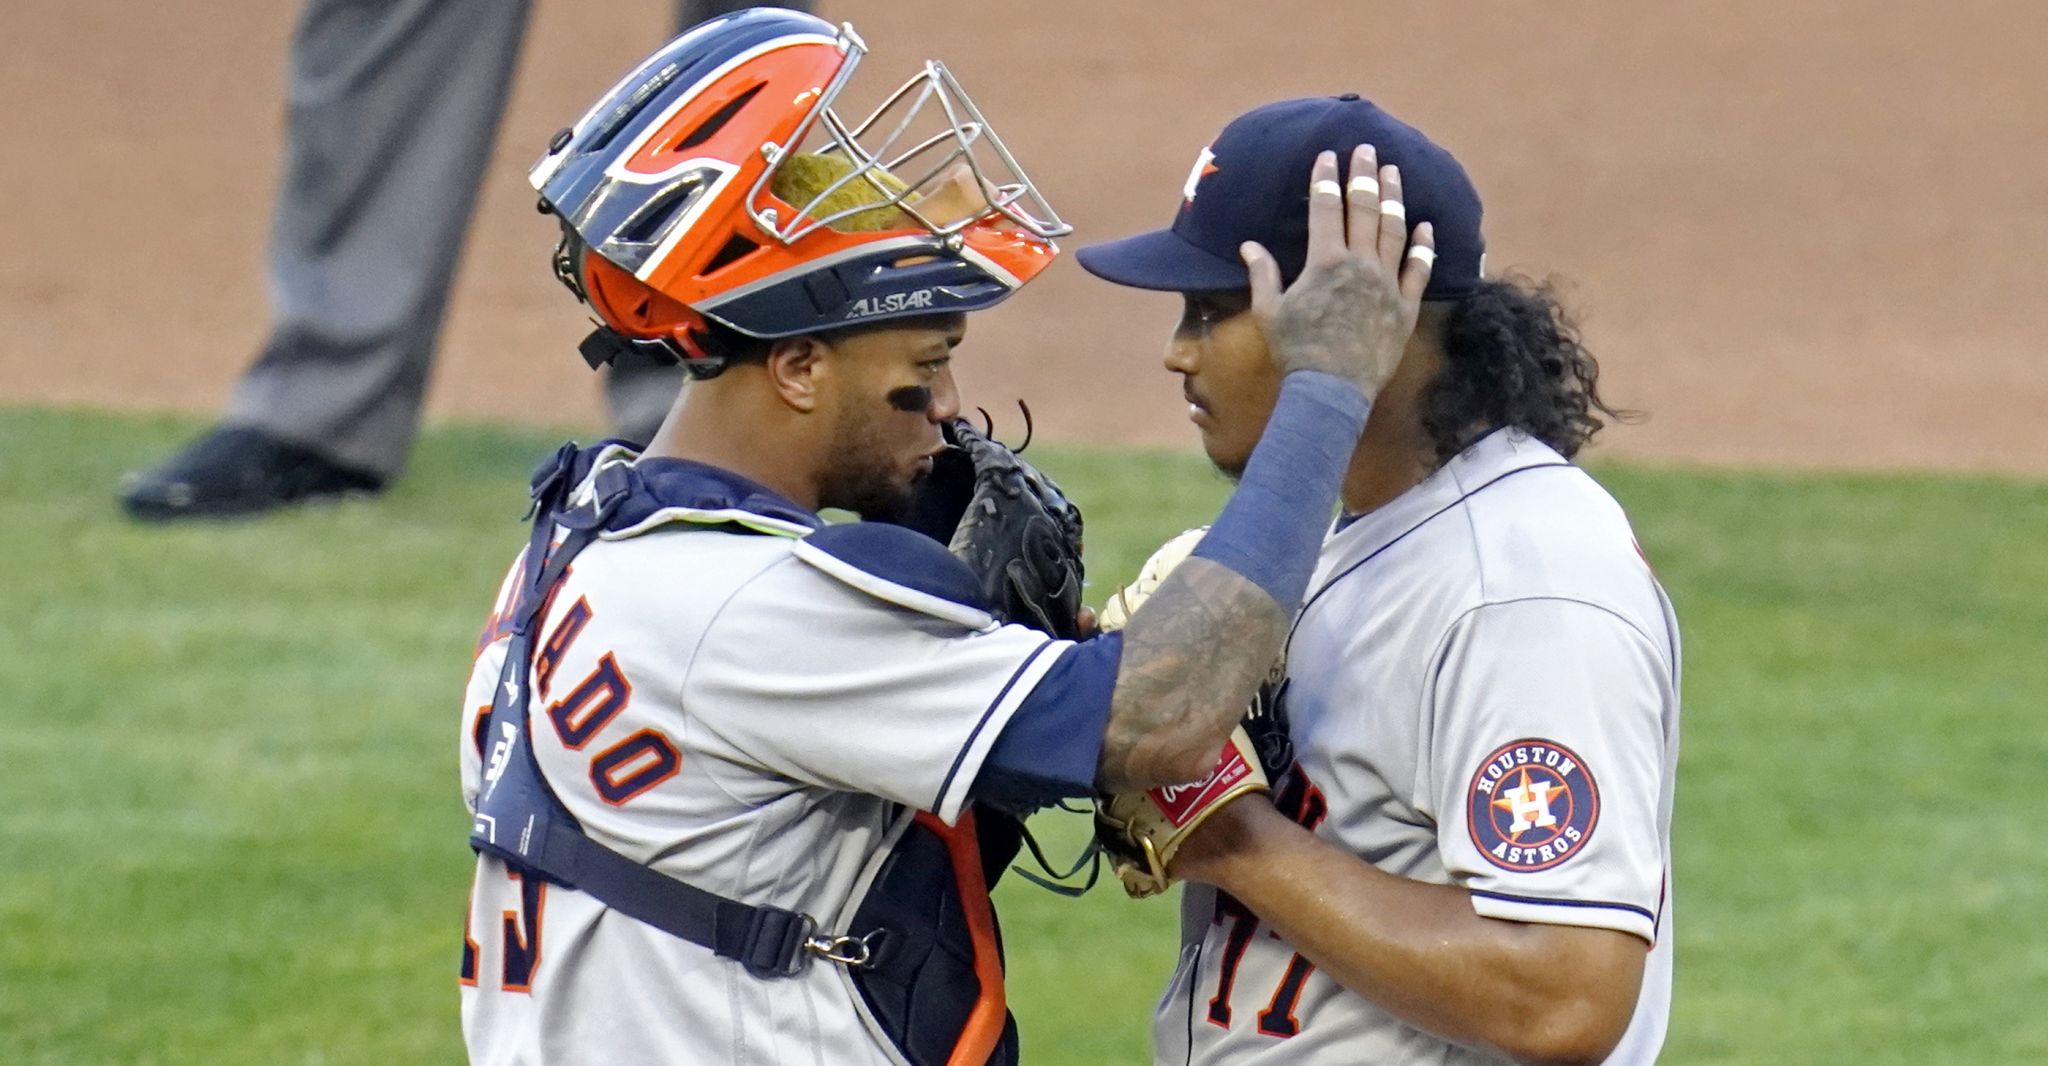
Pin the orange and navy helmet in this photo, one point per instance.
(718, 183)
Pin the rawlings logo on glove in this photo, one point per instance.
(1183, 805)
(1143, 830)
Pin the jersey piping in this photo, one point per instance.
(1403, 535)
(974, 737)
(1633, 627)
(1509, 897)
(1436, 655)
(889, 591)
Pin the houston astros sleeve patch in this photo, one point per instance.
(1532, 805)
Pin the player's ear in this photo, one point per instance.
(797, 367)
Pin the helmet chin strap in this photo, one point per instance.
(604, 345)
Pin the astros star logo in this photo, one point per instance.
(1532, 804)
(1529, 802)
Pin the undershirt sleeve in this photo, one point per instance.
(1049, 750)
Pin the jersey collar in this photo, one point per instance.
(664, 490)
(1355, 538)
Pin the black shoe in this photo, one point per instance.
(235, 472)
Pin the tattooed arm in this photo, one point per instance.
(1180, 690)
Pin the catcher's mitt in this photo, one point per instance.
(1010, 524)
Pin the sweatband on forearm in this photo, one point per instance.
(1272, 528)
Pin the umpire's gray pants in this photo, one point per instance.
(392, 109)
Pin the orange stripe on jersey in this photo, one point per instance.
(591, 706)
(1278, 1018)
(478, 727)
(649, 756)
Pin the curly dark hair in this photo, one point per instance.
(1512, 358)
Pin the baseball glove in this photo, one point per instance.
(1010, 524)
(1116, 613)
(1141, 831)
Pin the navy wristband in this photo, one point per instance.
(1273, 526)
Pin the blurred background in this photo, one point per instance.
(1800, 234)
(1804, 237)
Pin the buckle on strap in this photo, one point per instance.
(855, 951)
(609, 489)
(780, 943)
(777, 941)
(551, 477)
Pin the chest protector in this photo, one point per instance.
(923, 948)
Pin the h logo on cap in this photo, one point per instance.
(1205, 165)
(1264, 198)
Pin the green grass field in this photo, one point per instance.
(230, 830)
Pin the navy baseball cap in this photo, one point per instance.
(1252, 185)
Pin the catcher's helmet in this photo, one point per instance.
(718, 182)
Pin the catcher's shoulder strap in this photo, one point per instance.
(519, 818)
(927, 957)
(900, 567)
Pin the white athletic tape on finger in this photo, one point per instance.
(1394, 208)
(1365, 186)
(1326, 187)
(1423, 252)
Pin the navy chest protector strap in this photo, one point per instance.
(520, 820)
(929, 964)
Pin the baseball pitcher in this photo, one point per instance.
(1444, 836)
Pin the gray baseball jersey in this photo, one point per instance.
(746, 713)
(1483, 691)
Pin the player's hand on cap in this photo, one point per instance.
(1352, 309)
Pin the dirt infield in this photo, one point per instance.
(1802, 234)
